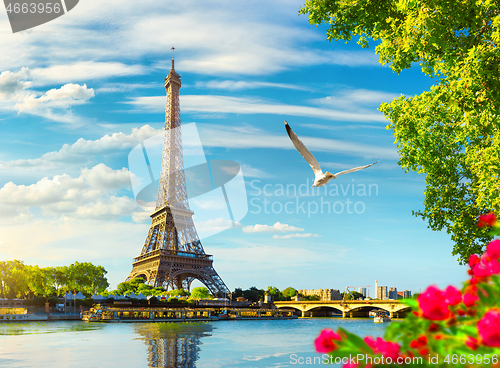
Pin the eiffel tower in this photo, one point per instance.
(172, 255)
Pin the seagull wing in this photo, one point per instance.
(354, 169)
(304, 151)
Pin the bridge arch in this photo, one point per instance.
(324, 311)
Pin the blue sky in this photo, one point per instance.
(78, 93)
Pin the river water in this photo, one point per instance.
(278, 343)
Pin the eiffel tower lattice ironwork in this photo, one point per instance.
(172, 255)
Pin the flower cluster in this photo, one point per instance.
(444, 323)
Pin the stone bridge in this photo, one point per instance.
(348, 308)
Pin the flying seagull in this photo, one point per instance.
(320, 179)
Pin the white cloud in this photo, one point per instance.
(54, 104)
(289, 236)
(105, 178)
(68, 95)
(252, 172)
(232, 85)
(83, 151)
(276, 228)
(83, 71)
(91, 195)
(13, 83)
(242, 137)
(214, 38)
(356, 99)
(239, 105)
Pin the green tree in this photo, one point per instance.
(178, 292)
(14, 279)
(356, 295)
(58, 278)
(275, 293)
(87, 278)
(253, 294)
(38, 281)
(289, 292)
(201, 293)
(451, 132)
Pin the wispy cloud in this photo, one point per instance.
(290, 236)
(276, 228)
(239, 105)
(217, 38)
(83, 71)
(355, 99)
(241, 137)
(82, 152)
(232, 85)
(55, 104)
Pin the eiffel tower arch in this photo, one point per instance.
(172, 255)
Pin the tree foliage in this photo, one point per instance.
(451, 132)
(18, 280)
(201, 293)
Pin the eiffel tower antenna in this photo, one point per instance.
(172, 255)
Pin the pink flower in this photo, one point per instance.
(452, 295)
(470, 299)
(472, 343)
(487, 220)
(493, 249)
(489, 328)
(473, 259)
(487, 265)
(324, 343)
(434, 303)
(380, 346)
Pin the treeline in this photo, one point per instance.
(18, 280)
(254, 295)
(138, 286)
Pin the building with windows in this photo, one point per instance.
(393, 293)
(382, 293)
(324, 294)
(362, 290)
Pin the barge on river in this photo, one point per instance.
(164, 314)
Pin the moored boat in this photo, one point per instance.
(19, 314)
(381, 317)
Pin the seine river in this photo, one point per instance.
(279, 343)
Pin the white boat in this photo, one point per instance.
(18, 315)
(381, 317)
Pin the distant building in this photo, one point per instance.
(393, 293)
(267, 297)
(362, 290)
(324, 294)
(406, 294)
(400, 295)
(382, 293)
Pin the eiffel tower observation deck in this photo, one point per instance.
(172, 255)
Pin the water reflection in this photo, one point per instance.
(29, 328)
(173, 345)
